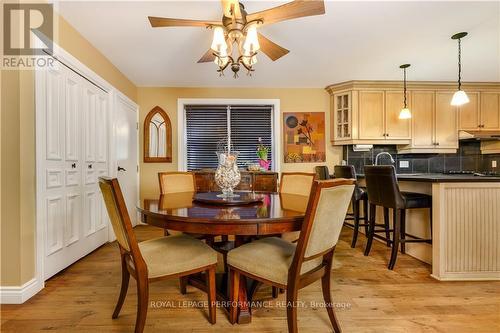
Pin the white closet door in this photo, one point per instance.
(68, 164)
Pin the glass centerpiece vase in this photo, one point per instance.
(227, 175)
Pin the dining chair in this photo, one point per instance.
(292, 266)
(176, 182)
(322, 172)
(296, 183)
(155, 259)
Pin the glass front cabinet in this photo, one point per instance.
(342, 116)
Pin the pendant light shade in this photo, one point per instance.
(460, 97)
(405, 112)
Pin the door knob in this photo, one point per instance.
(121, 169)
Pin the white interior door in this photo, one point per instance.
(126, 152)
(72, 151)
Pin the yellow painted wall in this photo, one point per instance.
(296, 99)
(18, 153)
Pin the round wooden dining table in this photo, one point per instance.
(272, 214)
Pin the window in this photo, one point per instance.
(208, 124)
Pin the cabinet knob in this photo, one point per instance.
(437, 143)
(90, 166)
(73, 166)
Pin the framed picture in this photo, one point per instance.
(304, 137)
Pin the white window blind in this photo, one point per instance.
(207, 124)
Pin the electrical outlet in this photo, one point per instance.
(404, 164)
(493, 163)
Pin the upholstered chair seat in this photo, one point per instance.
(268, 258)
(175, 254)
(292, 266)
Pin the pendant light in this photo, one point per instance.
(405, 112)
(459, 97)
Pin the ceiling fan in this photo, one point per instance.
(238, 32)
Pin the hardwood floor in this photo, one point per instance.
(82, 298)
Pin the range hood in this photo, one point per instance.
(479, 135)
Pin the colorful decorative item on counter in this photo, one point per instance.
(304, 136)
(262, 153)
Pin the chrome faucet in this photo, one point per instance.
(383, 153)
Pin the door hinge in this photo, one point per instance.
(137, 168)
(137, 126)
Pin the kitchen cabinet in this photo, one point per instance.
(482, 113)
(490, 111)
(342, 115)
(434, 123)
(396, 128)
(371, 115)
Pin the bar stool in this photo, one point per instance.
(383, 190)
(322, 172)
(348, 171)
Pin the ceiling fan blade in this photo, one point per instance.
(226, 7)
(271, 49)
(157, 22)
(288, 11)
(207, 57)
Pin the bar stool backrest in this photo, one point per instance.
(344, 171)
(382, 186)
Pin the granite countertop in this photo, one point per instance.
(442, 178)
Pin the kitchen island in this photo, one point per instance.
(465, 225)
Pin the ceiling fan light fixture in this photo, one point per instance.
(251, 43)
(219, 41)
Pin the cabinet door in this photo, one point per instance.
(266, 182)
(446, 129)
(342, 116)
(490, 111)
(396, 128)
(469, 113)
(422, 118)
(371, 115)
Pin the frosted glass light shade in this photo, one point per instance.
(459, 98)
(405, 114)
(251, 41)
(219, 41)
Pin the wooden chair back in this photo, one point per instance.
(299, 183)
(176, 182)
(120, 220)
(323, 221)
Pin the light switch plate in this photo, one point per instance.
(404, 164)
(493, 164)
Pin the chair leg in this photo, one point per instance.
(325, 286)
(142, 303)
(365, 213)
(275, 292)
(291, 309)
(123, 290)
(355, 209)
(234, 277)
(395, 234)
(403, 231)
(387, 227)
(183, 284)
(371, 229)
(212, 302)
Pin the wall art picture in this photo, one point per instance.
(304, 135)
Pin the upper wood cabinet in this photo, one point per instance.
(481, 113)
(367, 112)
(435, 127)
(369, 116)
(489, 108)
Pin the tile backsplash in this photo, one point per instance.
(467, 158)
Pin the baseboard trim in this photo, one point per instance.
(20, 294)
